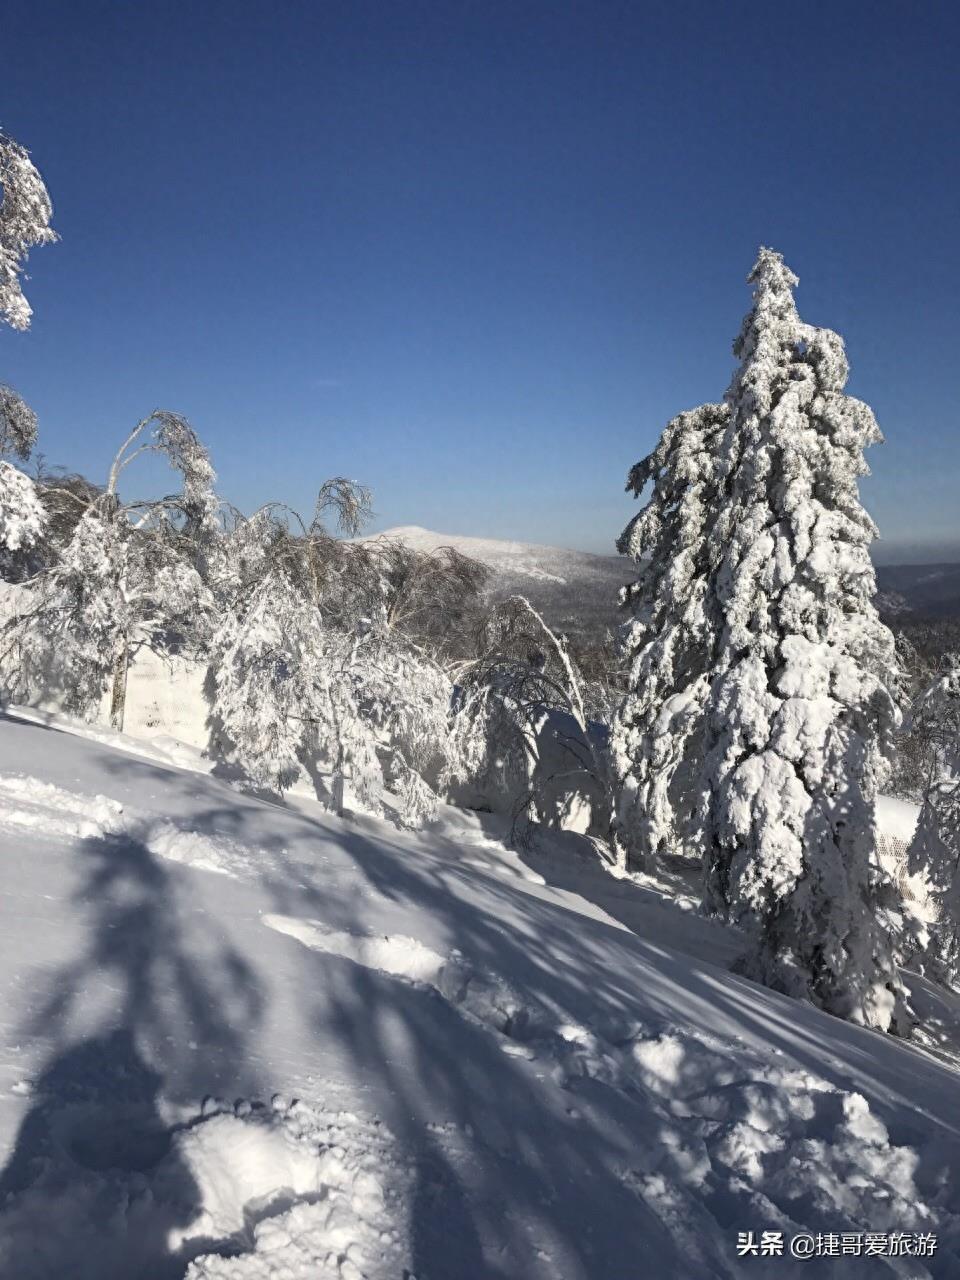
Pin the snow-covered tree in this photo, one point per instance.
(25, 213)
(22, 516)
(389, 722)
(63, 641)
(65, 496)
(261, 678)
(131, 575)
(935, 849)
(532, 743)
(18, 424)
(762, 717)
(307, 673)
(434, 598)
(671, 639)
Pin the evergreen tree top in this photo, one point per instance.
(772, 323)
(770, 271)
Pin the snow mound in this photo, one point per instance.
(218, 854)
(52, 813)
(303, 1193)
(304, 1243)
(897, 819)
(399, 956)
(484, 997)
(250, 1191)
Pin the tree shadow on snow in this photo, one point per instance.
(509, 1180)
(512, 1175)
(563, 1182)
(93, 1185)
(73, 1196)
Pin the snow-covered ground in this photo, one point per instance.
(243, 1039)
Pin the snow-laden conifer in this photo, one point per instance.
(672, 636)
(935, 849)
(762, 678)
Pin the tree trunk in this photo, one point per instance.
(339, 779)
(118, 696)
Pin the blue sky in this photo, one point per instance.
(476, 254)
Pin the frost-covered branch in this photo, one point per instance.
(25, 213)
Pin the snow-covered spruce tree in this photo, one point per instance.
(935, 849)
(671, 640)
(131, 575)
(778, 705)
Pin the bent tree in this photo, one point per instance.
(132, 574)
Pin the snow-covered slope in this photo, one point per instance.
(527, 559)
(246, 1040)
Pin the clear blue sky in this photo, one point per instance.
(475, 254)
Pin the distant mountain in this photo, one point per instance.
(572, 589)
(923, 590)
(576, 589)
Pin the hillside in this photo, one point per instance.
(245, 1040)
(577, 589)
(574, 589)
(924, 590)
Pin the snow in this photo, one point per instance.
(505, 557)
(489, 550)
(399, 956)
(364, 1051)
(21, 512)
(897, 819)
